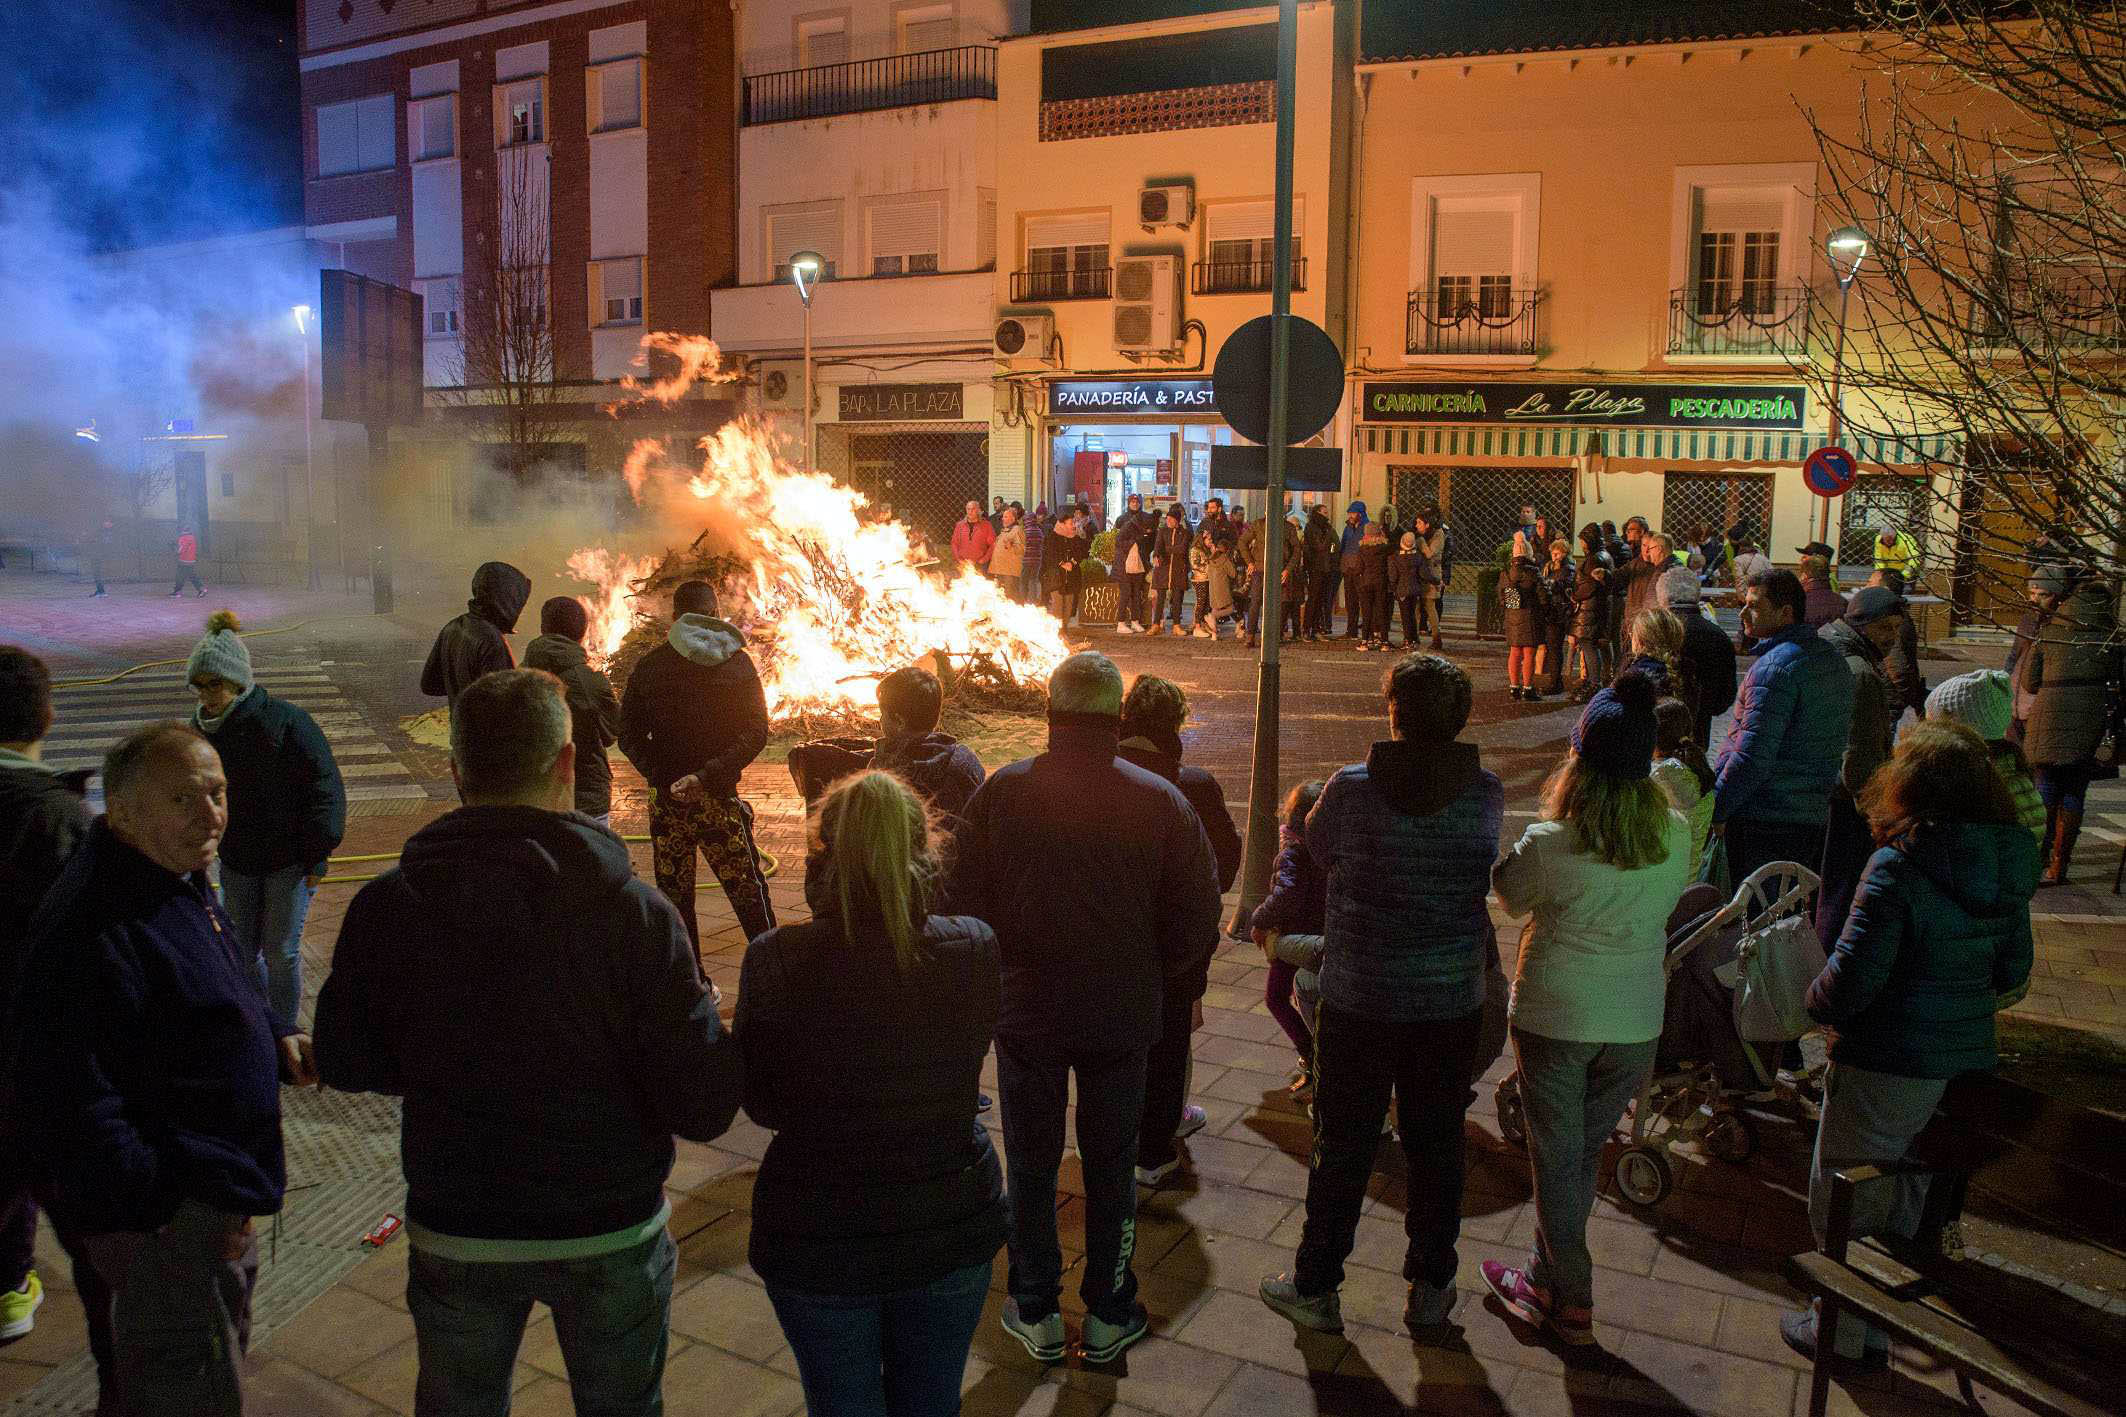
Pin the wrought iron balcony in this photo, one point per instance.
(2053, 310)
(1078, 283)
(864, 85)
(1483, 323)
(1236, 277)
(1767, 321)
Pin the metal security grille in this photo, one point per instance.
(1483, 505)
(1412, 489)
(1878, 500)
(1716, 501)
(925, 474)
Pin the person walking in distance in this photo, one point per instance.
(99, 553)
(472, 644)
(1372, 579)
(1404, 587)
(692, 718)
(1408, 838)
(879, 1206)
(593, 708)
(187, 546)
(537, 1142)
(1085, 977)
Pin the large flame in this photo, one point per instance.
(839, 595)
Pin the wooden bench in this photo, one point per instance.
(2060, 1168)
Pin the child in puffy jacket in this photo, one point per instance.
(1289, 925)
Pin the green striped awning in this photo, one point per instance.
(1466, 440)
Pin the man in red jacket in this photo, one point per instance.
(187, 563)
(973, 538)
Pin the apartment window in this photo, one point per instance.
(520, 113)
(904, 235)
(435, 127)
(616, 95)
(228, 484)
(822, 39)
(439, 305)
(1735, 262)
(816, 226)
(1067, 256)
(1473, 260)
(918, 28)
(616, 291)
(1240, 246)
(356, 136)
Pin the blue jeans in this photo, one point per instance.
(612, 1315)
(884, 1355)
(268, 912)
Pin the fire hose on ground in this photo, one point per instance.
(768, 865)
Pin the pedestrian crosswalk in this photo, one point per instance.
(88, 718)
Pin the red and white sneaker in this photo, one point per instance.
(1535, 1307)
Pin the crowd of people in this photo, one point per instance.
(545, 1017)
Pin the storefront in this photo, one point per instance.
(920, 450)
(1105, 440)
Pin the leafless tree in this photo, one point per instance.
(1985, 168)
(139, 484)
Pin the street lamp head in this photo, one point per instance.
(302, 319)
(805, 268)
(1846, 248)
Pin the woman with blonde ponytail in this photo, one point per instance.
(880, 1204)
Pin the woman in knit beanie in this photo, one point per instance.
(1984, 702)
(1601, 873)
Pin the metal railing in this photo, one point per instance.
(1770, 321)
(1233, 277)
(863, 85)
(1080, 283)
(1471, 324)
(2053, 310)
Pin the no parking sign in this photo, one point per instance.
(1829, 471)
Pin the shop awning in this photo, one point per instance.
(1472, 442)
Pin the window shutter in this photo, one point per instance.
(1472, 242)
(1740, 209)
(1080, 229)
(619, 94)
(920, 35)
(376, 133)
(904, 229)
(596, 303)
(336, 151)
(985, 236)
(438, 126)
(822, 42)
(819, 230)
(1241, 221)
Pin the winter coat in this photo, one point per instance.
(939, 766)
(1036, 538)
(2026, 633)
(539, 1008)
(43, 817)
(1172, 550)
(287, 804)
(1868, 741)
(1636, 583)
(1407, 839)
(593, 712)
(972, 542)
(1348, 539)
(1161, 754)
(2071, 668)
(694, 705)
(1707, 660)
(1216, 571)
(2014, 770)
(187, 549)
(1320, 543)
(1432, 559)
(149, 1072)
(1298, 900)
(1521, 597)
(1403, 580)
(1679, 783)
(1062, 569)
(878, 1178)
(1788, 738)
(1590, 600)
(472, 644)
(1141, 530)
(1823, 604)
(1007, 559)
(1371, 575)
(1900, 667)
(1590, 969)
(1558, 582)
(1939, 932)
(1099, 882)
(1254, 546)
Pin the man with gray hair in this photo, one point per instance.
(540, 1010)
(1086, 974)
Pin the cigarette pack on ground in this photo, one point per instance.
(385, 1229)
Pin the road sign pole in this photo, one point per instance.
(1264, 781)
(1845, 298)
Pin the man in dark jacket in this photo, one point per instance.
(472, 644)
(1707, 658)
(939, 766)
(1170, 570)
(1408, 838)
(1900, 663)
(1319, 540)
(593, 708)
(1136, 538)
(1354, 531)
(1861, 636)
(540, 1010)
(150, 1074)
(692, 717)
(1087, 972)
(1255, 551)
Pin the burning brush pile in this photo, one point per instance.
(832, 595)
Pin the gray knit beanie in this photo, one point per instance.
(1677, 589)
(1982, 700)
(221, 653)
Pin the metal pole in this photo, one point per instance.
(309, 469)
(808, 383)
(1845, 298)
(1264, 782)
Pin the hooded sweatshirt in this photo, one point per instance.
(287, 803)
(472, 644)
(593, 713)
(694, 705)
(538, 1007)
(1407, 838)
(1939, 932)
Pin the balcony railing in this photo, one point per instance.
(864, 85)
(1081, 283)
(1768, 321)
(1235, 277)
(2053, 311)
(1471, 324)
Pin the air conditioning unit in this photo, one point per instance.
(1025, 336)
(781, 386)
(1148, 304)
(1166, 206)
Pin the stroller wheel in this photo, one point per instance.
(1731, 1137)
(1643, 1175)
(1513, 1122)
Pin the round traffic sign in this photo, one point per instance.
(1240, 381)
(1829, 471)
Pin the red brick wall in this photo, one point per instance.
(693, 160)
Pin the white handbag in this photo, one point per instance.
(1771, 974)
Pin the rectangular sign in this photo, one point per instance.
(900, 403)
(1589, 404)
(1245, 467)
(1130, 396)
(369, 337)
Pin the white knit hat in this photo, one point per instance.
(1677, 588)
(221, 653)
(1982, 701)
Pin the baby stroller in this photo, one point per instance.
(1703, 1067)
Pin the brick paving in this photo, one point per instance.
(1688, 1294)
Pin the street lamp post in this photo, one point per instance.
(805, 270)
(302, 330)
(1845, 249)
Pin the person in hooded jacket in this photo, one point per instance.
(539, 1009)
(1371, 577)
(1432, 569)
(471, 644)
(937, 765)
(1407, 838)
(1938, 941)
(1152, 714)
(287, 807)
(692, 717)
(593, 708)
(1405, 586)
(1354, 531)
(1136, 538)
(2072, 672)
